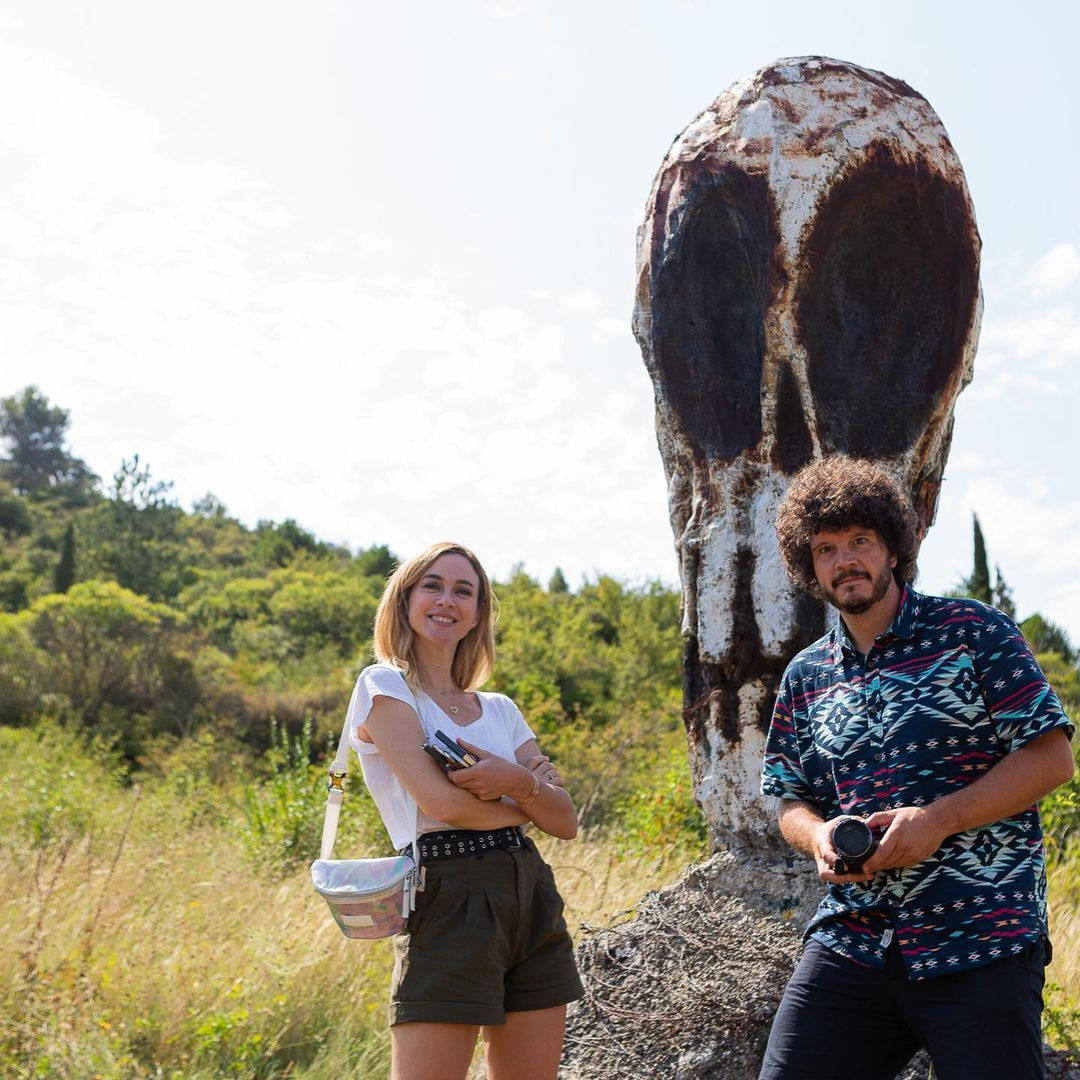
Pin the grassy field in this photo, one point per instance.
(146, 938)
(158, 930)
(1061, 1020)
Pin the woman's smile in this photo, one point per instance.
(442, 605)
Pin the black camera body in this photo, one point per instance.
(853, 841)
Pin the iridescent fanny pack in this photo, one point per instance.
(369, 898)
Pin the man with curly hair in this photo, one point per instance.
(928, 719)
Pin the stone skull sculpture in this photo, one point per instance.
(808, 283)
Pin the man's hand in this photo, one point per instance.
(825, 857)
(911, 835)
(803, 827)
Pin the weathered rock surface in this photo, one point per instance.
(687, 989)
(808, 282)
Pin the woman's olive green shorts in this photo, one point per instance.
(487, 938)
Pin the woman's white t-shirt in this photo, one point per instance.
(500, 729)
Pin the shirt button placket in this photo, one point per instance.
(875, 725)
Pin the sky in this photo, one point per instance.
(371, 266)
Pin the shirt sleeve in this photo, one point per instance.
(1021, 703)
(520, 732)
(379, 680)
(782, 772)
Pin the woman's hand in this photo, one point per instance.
(493, 776)
(397, 732)
(544, 769)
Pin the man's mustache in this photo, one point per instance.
(851, 575)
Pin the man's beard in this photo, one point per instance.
(879, 587)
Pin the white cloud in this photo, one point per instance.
(1032, 532)
(508, 9)
(1048, 336)
(178, 311)
(501, 322)
(1054, 272)
(606, 331)
(582, 300)
(1030, 347)
(1016, 442)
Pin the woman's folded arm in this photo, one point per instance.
(395, 729)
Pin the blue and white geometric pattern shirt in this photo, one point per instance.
(945, 693)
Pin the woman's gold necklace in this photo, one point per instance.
(454, 709)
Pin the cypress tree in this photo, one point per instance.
(1003, 597)
(64, 574)
(978, 585)
(558, 583)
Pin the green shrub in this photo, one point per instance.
(660, 816)
(20, 667)
(52, 790)
(1060, 810)
(282, 815)
(283, 808)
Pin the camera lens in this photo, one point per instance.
(851, 837)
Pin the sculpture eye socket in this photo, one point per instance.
(885, 302)
(709, 299)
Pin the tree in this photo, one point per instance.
(209, 506)
(558, 584)
(15, 519)
(35, 433)
(378, 561)
(978, 585)
(64, 575)
(319, 608)
(1045, 636)
(278, 545)
(104, 646)
(135, 536)
(1002, 595)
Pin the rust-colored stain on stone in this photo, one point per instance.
(756, 147)
(789, 110)
(814, 139)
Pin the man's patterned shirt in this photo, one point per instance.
(945, 693)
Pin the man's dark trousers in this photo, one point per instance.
(842, 1019)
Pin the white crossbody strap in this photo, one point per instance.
(339, 769)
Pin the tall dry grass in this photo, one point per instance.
(1061, 1019)
(142, 941)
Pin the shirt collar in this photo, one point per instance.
(902, 626)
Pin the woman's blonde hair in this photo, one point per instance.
(475, 655)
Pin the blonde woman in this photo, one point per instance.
(486, 950)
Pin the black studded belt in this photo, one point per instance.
(464, 843)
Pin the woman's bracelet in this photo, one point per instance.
(532, 794)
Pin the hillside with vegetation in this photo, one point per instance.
(171, 681)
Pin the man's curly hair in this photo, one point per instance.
(836, 493)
